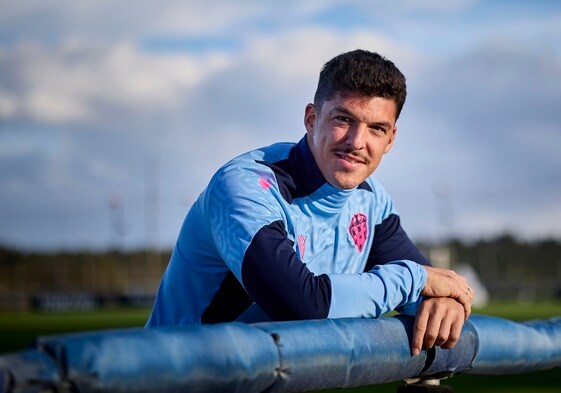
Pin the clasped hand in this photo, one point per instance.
(441, 315)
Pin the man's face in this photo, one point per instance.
(349, 135)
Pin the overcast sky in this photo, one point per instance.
(114, 116)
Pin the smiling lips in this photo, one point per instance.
(351, 158)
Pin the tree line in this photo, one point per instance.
(510, 269)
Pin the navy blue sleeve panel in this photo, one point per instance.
(278, 281)
(228, 303)
(391, 243)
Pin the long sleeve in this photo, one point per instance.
(259, 252)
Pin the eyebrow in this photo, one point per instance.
(343, 110)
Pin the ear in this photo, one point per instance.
(310, 116)
(392, 139)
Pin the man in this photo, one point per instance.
(303, 231)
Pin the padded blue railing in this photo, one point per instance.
(273, 357)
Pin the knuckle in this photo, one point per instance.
(430, 336)
(453, 338)
(449, 345)
(441, 339)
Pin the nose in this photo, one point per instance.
(356, 137)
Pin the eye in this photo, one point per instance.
(343, 119)
(377, 129)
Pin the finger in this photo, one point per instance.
(467, 309)
(469, 295)
(444, 331)
(454, 336)
(465, 297)
(432, 330)
(419, 329)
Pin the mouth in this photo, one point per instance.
(351, 159)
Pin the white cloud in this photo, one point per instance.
(430, 7)
(203, 17)
(84, 103)
(79, 82)
(105, 21)
(117, 104)
(305, 50)
(8, 106)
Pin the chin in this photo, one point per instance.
(345, 184)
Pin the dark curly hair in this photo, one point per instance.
(363, 72)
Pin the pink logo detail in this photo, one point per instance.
(302, 245)
(359, 230)
(264, 183)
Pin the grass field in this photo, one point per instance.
(17, 331)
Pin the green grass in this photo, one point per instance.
(17, 331)
(522, 311)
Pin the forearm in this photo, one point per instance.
(372, 294)
(285, 288)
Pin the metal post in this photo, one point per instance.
(420, 385)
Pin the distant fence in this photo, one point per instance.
(508, 269)
(81, 301)
(273, 357)
(79, 281)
